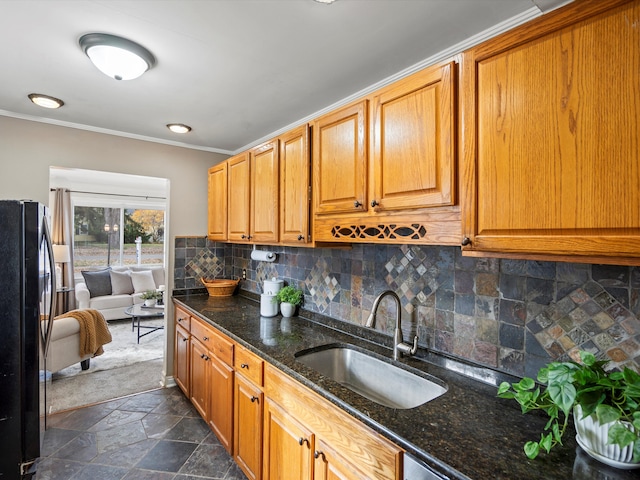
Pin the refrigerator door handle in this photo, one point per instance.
(52, 304)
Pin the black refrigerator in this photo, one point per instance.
(27, 302)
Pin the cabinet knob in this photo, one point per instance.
(185, 339)
(244, 365)
(374, 203)
(466, 241)
(319, 453)
(249, 237)
(206, 339)
(357, 204)
(300, 237)
(180, 319)
(302, 441)
(255, 399)
(243, 236)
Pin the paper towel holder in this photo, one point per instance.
(262, 255)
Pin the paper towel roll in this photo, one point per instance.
(263, 255)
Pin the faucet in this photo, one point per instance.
(399, 347)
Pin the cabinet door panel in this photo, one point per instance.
(288, 446)
(294, 186)
(221, 403)
(329, 465)
(414, 141)
(239, 180)
(556, 125)
(340, 159)
(181, 359)
(248, 401)
(217, 205)
(199, 378)
(265, 193)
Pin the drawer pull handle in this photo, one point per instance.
(302, 441)
(244, 365)
(255, 399)
(319, 453)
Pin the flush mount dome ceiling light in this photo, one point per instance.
(45, 100)
(117, 57)
(179, 127)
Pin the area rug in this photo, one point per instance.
(126, 367)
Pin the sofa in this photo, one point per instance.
(114, 289)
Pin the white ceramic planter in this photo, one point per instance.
(592, 437)
(287, 309)
(151, 302)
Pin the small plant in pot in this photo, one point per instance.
(605, 407)
(289, 297)
(150, 297)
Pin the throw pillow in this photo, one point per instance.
(98, 282)
(142, 281)
(121, 283)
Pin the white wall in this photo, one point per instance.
(28, 149)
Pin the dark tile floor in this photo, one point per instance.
(156, 435)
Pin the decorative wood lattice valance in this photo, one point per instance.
(414, 231)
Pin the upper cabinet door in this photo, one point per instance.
(413, 141)
(264, 193)
(552, 122)
(217, 208)
(295, 178)
(239, 196)
(340, 160)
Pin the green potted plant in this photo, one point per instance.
(605, 406)
(289, 297)
(150, 297)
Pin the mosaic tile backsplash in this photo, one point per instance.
(514, 315)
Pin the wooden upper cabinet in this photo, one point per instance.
(264, 213)
(239, 185)
(340, 160)
(552, 120)
(217, 204)
(295, 191)
(413, 141)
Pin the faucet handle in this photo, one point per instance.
(407, 349)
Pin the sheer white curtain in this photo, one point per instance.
(62, 234)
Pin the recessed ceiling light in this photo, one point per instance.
(179, 127)
(325, 1)
(45, 100)
(117, 57)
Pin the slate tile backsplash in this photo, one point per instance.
(515, 315)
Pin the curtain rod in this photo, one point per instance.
(109, 194)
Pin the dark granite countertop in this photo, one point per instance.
(467, 433)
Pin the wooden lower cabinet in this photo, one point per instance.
(300, 425)
(212, 380)
(248, 405)
(288, 446)
(181, 353)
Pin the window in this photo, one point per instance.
(118, 219)
(106, 236)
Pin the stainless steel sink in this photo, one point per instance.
(361, 372)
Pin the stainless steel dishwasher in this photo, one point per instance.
(416, 470)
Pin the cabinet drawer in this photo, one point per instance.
(214, 342)
(183, 319)
(249, 365)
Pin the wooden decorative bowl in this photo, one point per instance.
(223, 287)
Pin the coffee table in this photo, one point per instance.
(138, 311)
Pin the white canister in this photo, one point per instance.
(273, 286)
(268, 305)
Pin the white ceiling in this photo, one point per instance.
(237, 71)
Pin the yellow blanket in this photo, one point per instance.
(94, 332)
